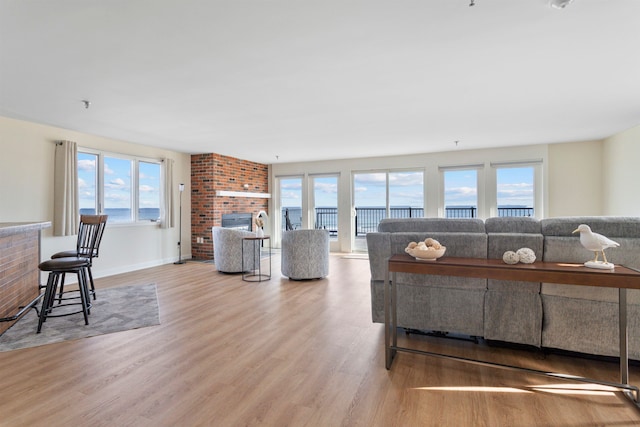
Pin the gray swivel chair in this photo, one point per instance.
(305, 254)
(227, 250)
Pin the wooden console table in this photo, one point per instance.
(621, 277)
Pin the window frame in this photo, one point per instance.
(538, 195)
(479, 169)
(312, 200)
(135, 185)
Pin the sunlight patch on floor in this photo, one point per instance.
(476, 388)
(576, 389)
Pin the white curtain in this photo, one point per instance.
(65, 189)
(168, 201)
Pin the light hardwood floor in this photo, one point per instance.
(285, 353)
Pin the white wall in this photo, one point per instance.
(26, 194)
(576, 174)
(621, 159)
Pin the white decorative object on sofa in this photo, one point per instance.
(305, 254)
(526, 255)
(227, 250)
(510, 257)
(596, 243)
(427, 250)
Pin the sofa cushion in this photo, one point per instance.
(513, 225)
(427, 225)
(609, 226)
(469, 245)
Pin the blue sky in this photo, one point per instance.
(149, 185)
(461, 188)
(87, 180)
(514, 187)
(117, 182)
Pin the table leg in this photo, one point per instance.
(394, 314)
(269, 241)
(387, 331)
(390, 319)
(624, 345)
(259, 260)
(242, 255)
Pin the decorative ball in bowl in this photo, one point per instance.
(430, 254)
(429, 250)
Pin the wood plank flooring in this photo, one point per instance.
(286, 353)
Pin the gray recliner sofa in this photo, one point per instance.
(585, 318)
(438, 303)
(513, 309)
(573, 318)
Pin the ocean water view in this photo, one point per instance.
(124, 214)
(327, 217)
(368, 218)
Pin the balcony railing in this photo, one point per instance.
(367, 219)
(515, 211)
(327, 219)
(460, 212)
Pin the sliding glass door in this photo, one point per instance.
(291, 203)
(388, 194)
(325, 204)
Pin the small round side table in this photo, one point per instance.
(253, 274)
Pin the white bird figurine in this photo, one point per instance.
(594, 242)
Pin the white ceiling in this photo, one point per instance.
(323, 79)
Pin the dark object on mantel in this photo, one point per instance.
(239, 221)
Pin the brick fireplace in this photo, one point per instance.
(211, 173)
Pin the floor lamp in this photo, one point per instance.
(180, 261)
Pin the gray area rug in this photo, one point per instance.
(114, 310)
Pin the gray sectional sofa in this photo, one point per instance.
(573, 318)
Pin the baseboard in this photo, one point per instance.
(98, 273)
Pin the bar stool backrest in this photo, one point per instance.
(90, 235)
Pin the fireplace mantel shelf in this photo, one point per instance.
(224, 193)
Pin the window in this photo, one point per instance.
(514, 190)
(291, 203)
(460, 193)
(125, 188)
(88, 183)
(406, 194)
(369, 201)
(379, 195)
(518, 188)
(149, 191)
(325, 203)
(117, 189)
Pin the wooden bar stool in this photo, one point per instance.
(90, 234)
(58, 267)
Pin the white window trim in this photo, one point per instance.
(480, 187)
(135, 184)
(538, 193)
